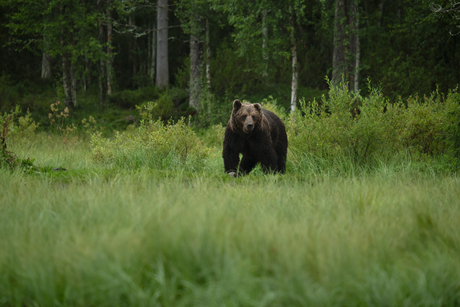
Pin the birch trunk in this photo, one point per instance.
(208, 57)
(73, 82)
(264, 45)
(101, 61)
(162, 67)
(65, 65)
(46, 66)
(153, 57)
(195, 64)
(65, 76)
(86, 78)
(46, 60)
(357, 49)
(295, 72)
(339, 65)
(152, 51)
(132, 51)
(109, 47)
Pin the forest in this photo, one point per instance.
(206, 53)
(112, 183)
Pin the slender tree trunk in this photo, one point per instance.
(357, 47)
(86, 76)
(264, 45)
(295, 69)
(102, 82)
(352, 46)
(46, 66)
(381, 7)
(132, 51)
(153, 54)
(46, 59)
(65, 64)
(162, 67)
(195, 63)
(65, 76)
(83, 79)
(339, 65)
(109, 47)
(73, 82)
(208, 57)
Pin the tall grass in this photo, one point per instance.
(146, 238)
(149, 218)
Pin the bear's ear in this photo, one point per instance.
(236, 105)
(258, 107)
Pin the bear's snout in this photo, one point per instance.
(249, 126)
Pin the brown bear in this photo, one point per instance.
(259, 135)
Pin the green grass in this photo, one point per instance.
(98, 236)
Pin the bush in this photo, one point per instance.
(129, 99)
(154, 144)
(369, 129)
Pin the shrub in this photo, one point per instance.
(153, 144)
(129, 99)
(19, 125)
(368, 129)
(452, 126)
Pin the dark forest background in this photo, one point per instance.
(194, 57)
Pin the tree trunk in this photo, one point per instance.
(264, 45)
(357, 46)
(65, 76)
(46, 66)
(46, 60)
(101, 61)
(73, 82)
(195, 61)
(132, 51)
(339, 65)
(65, 65)
(86, 78)
(208, 57)
(109, 47)
(381, 7)
(162, 67)
(153, 53)
(295, 69)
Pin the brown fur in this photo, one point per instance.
(259, 135)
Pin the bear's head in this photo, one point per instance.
(246, 117)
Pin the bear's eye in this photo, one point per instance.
(243, 117)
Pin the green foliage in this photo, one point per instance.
(26, 129)
(131, 98)
(453, 127)
(154, 144)
(366, 130)
(213, 136)
(19, 125)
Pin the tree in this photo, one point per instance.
(346, 54)
(295, 69)
(196, 57)
(162, 67)
(264, 21)
(109, 47)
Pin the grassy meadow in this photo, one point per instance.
(367, 214)
(116, 235)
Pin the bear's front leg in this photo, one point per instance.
(246, 165)
(269, 160)
(231, 160)
(230, 152)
